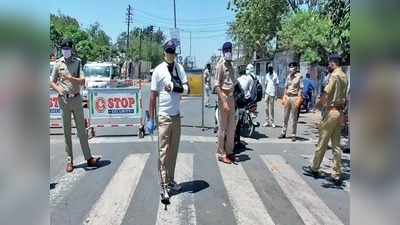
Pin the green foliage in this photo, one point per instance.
(256, 22)
(90, 45)
(307, 33)
(339, 13)
(145, 44)
(313, 28)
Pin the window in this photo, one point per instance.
(115, 73)
(97, 71)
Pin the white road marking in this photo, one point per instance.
(246, 203)
(111, 207)
(184, 138)
(64, 183)
(310, 208)
(181, 211)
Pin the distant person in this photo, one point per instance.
(308, 92)
(207, 84)
(243, 96)
(293, 94)
(271, 89)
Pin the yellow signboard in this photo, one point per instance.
(195, 84)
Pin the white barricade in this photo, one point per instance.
(54, 110)
(115, 107)
(55, 114)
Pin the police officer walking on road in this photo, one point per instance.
(225, 80)
(334, 99)
(293, 94)
(168, 83)
(67, 79)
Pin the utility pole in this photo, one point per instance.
(174, 15)
(129, 17)
(140, 53)
(190, 44)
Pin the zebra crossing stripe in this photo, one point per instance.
(65, 182)
(181, 210)
(310, 208)
(112, 205)
(246, 203)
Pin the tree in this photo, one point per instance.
(62, 26)
(296, 5)
(149, 48)
(90, 44)
(307, 33)
(339, 13)
(256, 23)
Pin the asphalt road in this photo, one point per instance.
(266, 186)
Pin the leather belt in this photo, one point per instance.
(228, 93)
(336, 107)
(72, 95)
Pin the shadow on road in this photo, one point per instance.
(100, 163)
(257, 135)
(346, 175)
(192, 187)
(242, 158)
(53, 185)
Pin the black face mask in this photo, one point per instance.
(330, 69)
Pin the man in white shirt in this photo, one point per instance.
(246, 80)
(271, 88)
(207, 84)
(168, 82)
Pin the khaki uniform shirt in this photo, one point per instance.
(71, 67)
(225, 76)
(336, 89)
(294, 85)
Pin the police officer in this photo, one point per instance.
(334, 99)
(168, 83)
(225, 80)
(67, 79)
(293, 94)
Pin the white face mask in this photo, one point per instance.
(66, 53)
(228, 56)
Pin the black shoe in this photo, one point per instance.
(335, 181)
(282, 136)
(294, 138)
(164, 196)
(310, 172)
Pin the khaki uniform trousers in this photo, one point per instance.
(269, 108)
(290, 109)
(169, 136)
(74, 106)
(226, 128)
(329, 130)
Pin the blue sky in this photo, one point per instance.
(206, 19)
